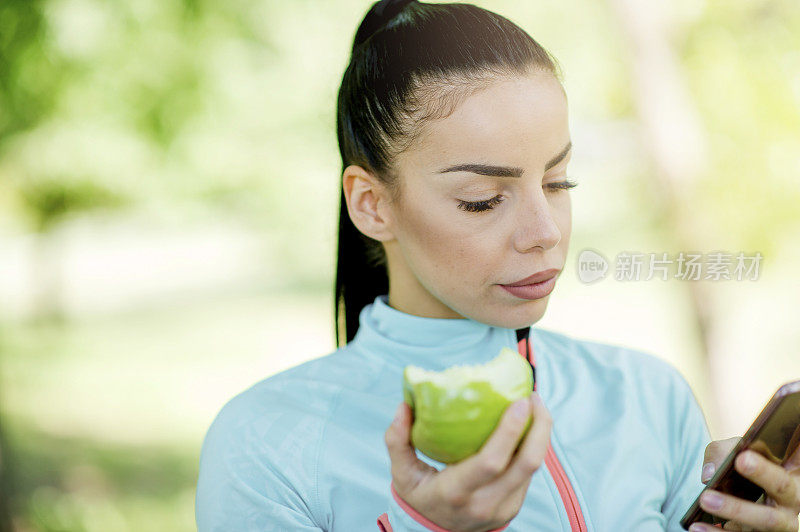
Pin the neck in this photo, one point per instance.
(425, 305)
(407, 294)
(405, 302)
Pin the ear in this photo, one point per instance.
(367, 203)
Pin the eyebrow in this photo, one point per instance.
(504, 171)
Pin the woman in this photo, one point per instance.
(454, 136)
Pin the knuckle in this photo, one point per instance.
(529, 464)
(491, 465)
(733, 507)
(457, 499)
(773, 520)
(482, 513)
(785, 487)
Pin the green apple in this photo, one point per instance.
(457, 409)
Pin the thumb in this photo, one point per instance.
(407, 469)
(715, 454)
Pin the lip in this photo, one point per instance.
(535, 278)
(532, 291)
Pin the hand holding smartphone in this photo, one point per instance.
(774, 434)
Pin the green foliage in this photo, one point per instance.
(31, 75)
(77, 484)
(742, 62)
(51, 201)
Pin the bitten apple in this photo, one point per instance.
(457, 409)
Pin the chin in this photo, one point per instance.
(528, 313)
(515, 316)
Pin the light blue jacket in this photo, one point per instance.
(304, 449)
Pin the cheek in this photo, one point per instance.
(435, 237)
(445, 242)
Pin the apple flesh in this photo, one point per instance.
(457, 409)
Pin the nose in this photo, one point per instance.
(536, 224)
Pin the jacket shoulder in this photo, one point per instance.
(606, 354)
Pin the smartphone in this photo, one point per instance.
(774, 434)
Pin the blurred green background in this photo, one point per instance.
(168, 200)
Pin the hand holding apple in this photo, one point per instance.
(484, 491)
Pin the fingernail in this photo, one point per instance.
(712, 501)
(520, 409)
(694, 527)
(708, 471)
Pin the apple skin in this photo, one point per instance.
(449, 427)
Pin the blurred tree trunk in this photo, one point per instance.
(5, 488)
(46, 278)
(5, 480)
(673, 134)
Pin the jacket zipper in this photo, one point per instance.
(568, 497)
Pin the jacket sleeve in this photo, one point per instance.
(690, 436)
(403, 518)
(240, 484)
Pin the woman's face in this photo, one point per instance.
(448, 262)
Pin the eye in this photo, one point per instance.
(478, 206)
(485, 205)
(561, 185)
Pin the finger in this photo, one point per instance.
(495, 454)
(776, 481)
(729, 525)
(532, 451)
(407, 469)
(715, 454)
(747, 513)
(737, 527)
(733, 525)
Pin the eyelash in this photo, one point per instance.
(485, 205)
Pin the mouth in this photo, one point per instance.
(536, 286)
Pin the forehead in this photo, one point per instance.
(517, 120)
